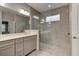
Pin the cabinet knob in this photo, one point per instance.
(74, 37)
(68, 33)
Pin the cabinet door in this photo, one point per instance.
(29, 44)
(19, 47)
(7, 48)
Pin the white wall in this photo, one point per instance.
(74, 26)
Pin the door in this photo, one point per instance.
(29, 44)
(7, 48)
(19, 47)
(74, 22)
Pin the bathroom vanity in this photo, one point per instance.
(18, 44)
(17, 38)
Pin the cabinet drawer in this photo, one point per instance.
(30, 37)
(7, 50)
(8, 42)
(19, 40)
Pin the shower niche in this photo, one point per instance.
(4, 27)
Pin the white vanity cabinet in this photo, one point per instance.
(19, 44)
(19, 47)
(29, 44)
(7, 48)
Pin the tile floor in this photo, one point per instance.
(46, 50)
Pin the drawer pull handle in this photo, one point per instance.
(75, 37)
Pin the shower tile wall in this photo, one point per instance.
(35, 22)
(56, 33)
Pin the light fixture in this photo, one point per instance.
(49, 6)
(36, 17)
(27, 13)
(42, 21)
(22, 11)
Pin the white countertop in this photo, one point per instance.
(15, 35)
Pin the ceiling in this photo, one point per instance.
(42, 7)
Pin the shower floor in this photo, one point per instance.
(46, 50)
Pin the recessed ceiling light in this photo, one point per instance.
(49, 6)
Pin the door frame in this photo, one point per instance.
(72, 13)
(70, 28)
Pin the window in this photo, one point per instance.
(53, 18)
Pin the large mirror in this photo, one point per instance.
(12, 22)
